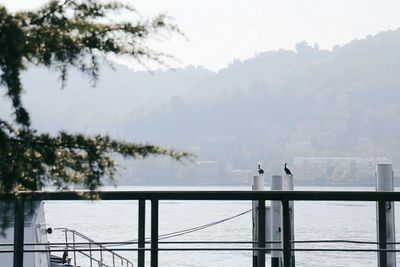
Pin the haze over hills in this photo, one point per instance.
(331, 114)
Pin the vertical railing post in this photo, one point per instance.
(73, 240)
(261, 232)
(386, 216)
(287, 185)
(19, 233)
(286, 246)
(276, 223)
(101, 256)
(258, 185)
(382, 233)
(90, 254)
(154, 233)
(141, 231)
(66, 241)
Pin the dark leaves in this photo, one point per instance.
(63, 35)
(70, 33)
(29, 160)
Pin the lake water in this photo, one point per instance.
(106, 221)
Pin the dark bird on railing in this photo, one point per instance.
(287, 171)
(260, 171)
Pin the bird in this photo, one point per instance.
(260, 171)
(287, 171)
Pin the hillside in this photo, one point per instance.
(279, 105)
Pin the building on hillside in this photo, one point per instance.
(337, 169)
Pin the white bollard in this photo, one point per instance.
(276, 222)
(287, 185)
(258, 185)
(385, 183)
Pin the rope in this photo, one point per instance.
(201, 227)
(189, 230)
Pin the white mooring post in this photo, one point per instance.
(384, 183)
(287, 185)
(276, 222)
(258, 185)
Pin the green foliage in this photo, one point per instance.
(29, 160)
(70, 34)
(62, 35)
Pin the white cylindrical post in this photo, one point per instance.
(276, 221)
(258, 185)
(385, 183)
(287, 185)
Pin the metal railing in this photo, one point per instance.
(92, 246)
(260, 196)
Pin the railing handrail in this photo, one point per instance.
(260, 196)
(123, 243)
(212, 195)
(92, 242)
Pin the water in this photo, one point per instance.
(117, 221)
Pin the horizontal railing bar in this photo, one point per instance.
(76, 243)
(339, 241)
(250, 249)
(215, 242)
(345, 250)
(214, 195)
(83, 244)
(218, 249)
(198, 242)
(278, 242)
(135, 249)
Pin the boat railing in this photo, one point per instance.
(92, 246)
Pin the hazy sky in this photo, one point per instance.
(221, 30)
